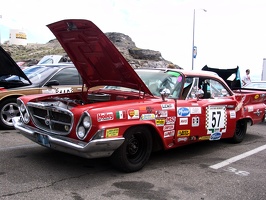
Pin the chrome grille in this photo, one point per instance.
(50, 118)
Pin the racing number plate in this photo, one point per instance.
(43, 139)
(216, 117)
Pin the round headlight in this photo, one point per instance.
(81, 132)
(87, 122)
(26, 118)
(22, 107)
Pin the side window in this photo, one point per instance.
(188, 89)
(68, 76)
(217, 89)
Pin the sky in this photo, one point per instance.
(231, 33)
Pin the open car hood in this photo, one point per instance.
(94, 55)
(9, 67)
(230, 76)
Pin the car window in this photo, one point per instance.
(205, 87)
(36, 74)
(156, 81)
(67, 76)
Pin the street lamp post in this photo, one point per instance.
(193, 39)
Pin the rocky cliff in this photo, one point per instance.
(136, 57)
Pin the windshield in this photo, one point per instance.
(157, 80)
(36, 74)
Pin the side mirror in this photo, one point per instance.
(199, 94)
(52, 83)
(165, 93)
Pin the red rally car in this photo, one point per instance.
(133, 112)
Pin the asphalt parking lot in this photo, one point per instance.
(204, 171)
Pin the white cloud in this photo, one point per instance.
(230, 33)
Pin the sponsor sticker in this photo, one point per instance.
(160, 122)
(169, 133)
(147, 117)
(206, 137)
(250, 109)
(49, 91)
(183, 133)
(168, 106)
(149, 109)
(183, 121)
(216, 136)
(170, 120)
(183, 112)
(112, 132)
(161, 113)
(232, 114)
(122, 114)
(195, 110)
(63, 90)
(168, 127)
(105, 116)
(182, 139)
(256, 96)
(195, 121)
(133, 114)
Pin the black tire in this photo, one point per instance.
(8, 110)
(135, 152)
(240, 132)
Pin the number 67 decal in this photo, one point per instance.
(216, 117)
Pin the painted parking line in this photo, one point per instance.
(239, 157)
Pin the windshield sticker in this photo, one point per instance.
(183, 121)
(112, 132)
(133, 114)
(105, 116)
(183, 112)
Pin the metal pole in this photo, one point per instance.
(193, 39)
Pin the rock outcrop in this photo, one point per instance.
(136, 57)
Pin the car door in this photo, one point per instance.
(218, 106)
(208, 116)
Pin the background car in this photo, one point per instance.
(38, 79)
(261, 85)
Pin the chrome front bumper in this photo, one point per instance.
(93, 149)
